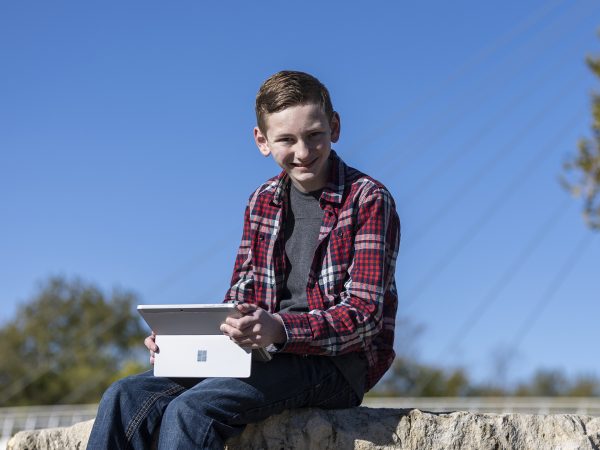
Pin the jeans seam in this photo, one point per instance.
(206, 434)
(143, 412)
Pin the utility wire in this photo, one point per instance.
(502, 152)
(552, 289)
(468, 147)
(449, 117)
(494, 207)
(521, 28)
(507, 276)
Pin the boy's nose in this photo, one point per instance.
(302, 150)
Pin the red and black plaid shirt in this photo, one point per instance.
(351, 290)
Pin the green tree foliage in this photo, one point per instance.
(584, 168)
(553, 382)
(67, 344)
(545, 383)
(410, 378)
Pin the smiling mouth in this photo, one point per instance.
(304, 166)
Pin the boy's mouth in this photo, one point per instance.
(304, 165)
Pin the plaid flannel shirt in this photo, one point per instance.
(351, 290)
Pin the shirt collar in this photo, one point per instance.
(333, 191)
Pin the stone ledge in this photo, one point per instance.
(371, 428)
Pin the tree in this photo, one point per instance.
(585, 386)
(554, 382)
(545, 383)
(67, 344)
(586, 164)
(407, 377)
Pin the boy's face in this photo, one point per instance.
(299, 139)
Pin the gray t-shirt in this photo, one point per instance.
(302, 225)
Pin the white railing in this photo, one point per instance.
(19, 418)
(589, 406)
(16, 419)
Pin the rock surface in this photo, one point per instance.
(75, 437)
(370, 428)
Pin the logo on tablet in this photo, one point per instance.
(201, 356)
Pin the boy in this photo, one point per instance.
(315, 277)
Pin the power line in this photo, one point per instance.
(500, 154)
(450, 118)
(552, 288)
(494, 207)
(507, 276)
(473, 142)
(478, 58)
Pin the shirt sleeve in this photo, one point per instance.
(242, 280)
(368, 297)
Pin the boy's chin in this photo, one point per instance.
(307, 182)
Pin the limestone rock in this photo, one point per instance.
(74, 437)
(369, 428)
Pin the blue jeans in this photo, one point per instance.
(204, 413)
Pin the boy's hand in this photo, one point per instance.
(150, 344)
(256, 328)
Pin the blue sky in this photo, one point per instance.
(126, 155)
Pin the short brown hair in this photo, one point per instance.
(290, 88)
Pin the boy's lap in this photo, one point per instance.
(286, 382)
(292, 381)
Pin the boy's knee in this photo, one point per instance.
(123, 387)
(182, 407)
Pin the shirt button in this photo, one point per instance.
(340, 233)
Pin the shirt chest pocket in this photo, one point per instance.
(337, 259)
(260, 256)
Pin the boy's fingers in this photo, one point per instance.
(242, 323)
(232, 331)
(246, 308)
(237, 334)
(150, 343)
(247, 342)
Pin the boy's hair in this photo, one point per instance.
(290, 88)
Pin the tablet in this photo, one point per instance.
(205, 319)
(191, 343)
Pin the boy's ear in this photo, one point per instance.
(261, 142)
(335, 125)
